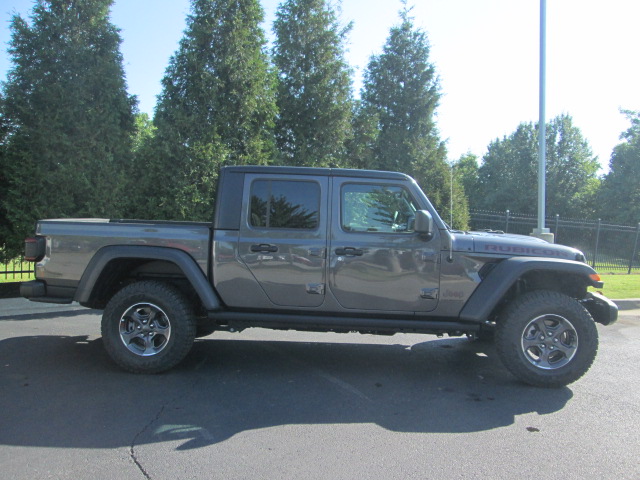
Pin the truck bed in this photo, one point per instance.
(72, 243)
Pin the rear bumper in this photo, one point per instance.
(36, 291)
(603, 310)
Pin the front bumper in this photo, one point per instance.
(603, 310)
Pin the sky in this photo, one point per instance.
(486, 54)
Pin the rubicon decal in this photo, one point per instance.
(519, 250)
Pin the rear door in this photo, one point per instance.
(377, 261)
(283, 236)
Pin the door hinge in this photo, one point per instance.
(317, 252)
(430, 257)
(315, 288)
(429, 293)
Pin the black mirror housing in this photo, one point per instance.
(424, 223)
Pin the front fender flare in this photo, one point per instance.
(504, 275)
(181, 259)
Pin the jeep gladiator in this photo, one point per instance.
(322, 249)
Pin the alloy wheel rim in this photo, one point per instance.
(144, 329)
(549, 342)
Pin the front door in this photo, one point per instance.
(283, 237)
(377, 261)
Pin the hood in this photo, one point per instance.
(509, 245)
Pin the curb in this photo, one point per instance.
(18, 307)
(628, 303)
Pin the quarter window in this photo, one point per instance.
(284, 204)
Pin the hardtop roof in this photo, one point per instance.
(330, 172)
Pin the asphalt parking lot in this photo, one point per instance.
(265, 404)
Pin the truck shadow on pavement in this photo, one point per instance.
(65, 392)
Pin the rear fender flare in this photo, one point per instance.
(181, 259)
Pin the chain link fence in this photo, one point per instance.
(608, 248)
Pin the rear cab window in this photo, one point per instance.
(284, 204)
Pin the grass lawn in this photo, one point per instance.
(15, 277)
(621, 286)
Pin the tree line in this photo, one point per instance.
(73, 144)
(506, 177)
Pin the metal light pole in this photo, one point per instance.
(541, 231)
(542, 127)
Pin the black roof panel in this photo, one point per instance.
(331, 172)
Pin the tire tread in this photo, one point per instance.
(515, 317)
(183, 325)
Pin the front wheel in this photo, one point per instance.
(547, 339)
(148, 327)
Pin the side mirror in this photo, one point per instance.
(424, 223)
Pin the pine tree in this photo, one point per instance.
(401, 87)
(68, 116)
(361, 146)
(314, 92)
(144, 132)
(217, 107)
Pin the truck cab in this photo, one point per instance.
(331, 242)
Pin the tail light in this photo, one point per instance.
(34, 249)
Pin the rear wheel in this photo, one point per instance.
(547, 339)
(148, 327)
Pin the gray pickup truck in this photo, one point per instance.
(322, 249)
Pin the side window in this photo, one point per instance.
(377, 208)
(284, 204)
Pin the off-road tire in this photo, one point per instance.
(143, 313)
(557, 356)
